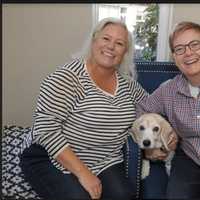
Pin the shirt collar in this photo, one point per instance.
(194, 91)
(184, 87)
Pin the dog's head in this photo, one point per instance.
(151, 131)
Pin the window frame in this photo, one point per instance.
(164, 27)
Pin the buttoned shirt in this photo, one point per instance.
(173, 100)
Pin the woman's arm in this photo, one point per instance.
(57, 96)
(87, 179)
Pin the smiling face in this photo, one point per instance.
(151, 130)
(148, 131)
(188, 62)
(109, 46)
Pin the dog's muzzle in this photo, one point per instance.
(146, 143)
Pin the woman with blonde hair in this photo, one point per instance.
(84, 112)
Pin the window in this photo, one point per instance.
(149, 24)
(123, 13)
(138, 17)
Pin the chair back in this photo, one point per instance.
(152, 74)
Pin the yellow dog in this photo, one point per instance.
(151, 131)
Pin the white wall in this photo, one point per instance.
(183, 12)
(39, 37)
(186, 12)
(36, 39)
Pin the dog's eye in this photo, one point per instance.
(156, 129)
(141, 128)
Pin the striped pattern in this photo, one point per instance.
(174, 100)
(72, 111)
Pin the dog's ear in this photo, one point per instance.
(134, 131)
(166, 131)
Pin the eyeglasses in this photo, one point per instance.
(180, 49)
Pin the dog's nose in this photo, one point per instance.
(146, 143)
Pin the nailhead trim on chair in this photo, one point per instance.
(138, 177)
(138, 170)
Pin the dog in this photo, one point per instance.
(151, 131)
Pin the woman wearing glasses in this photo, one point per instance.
(179, 101)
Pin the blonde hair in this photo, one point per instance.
(127, 66)
(180, 28)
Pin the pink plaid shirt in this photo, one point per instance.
(173, 100)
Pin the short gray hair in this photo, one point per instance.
(180, 28)
(127, 66)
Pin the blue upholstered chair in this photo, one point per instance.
(150, 76)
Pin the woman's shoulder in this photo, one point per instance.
(75, 66)
(169, 88)
(65, 78)
(133, 86)
(171, 84)
(69, 71)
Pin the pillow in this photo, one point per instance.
(13, 183)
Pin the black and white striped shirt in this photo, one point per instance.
(72, 111)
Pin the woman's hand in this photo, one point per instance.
(155, 154)
(91, 183)
(173, 140)
(87, 179)
(159, 154)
